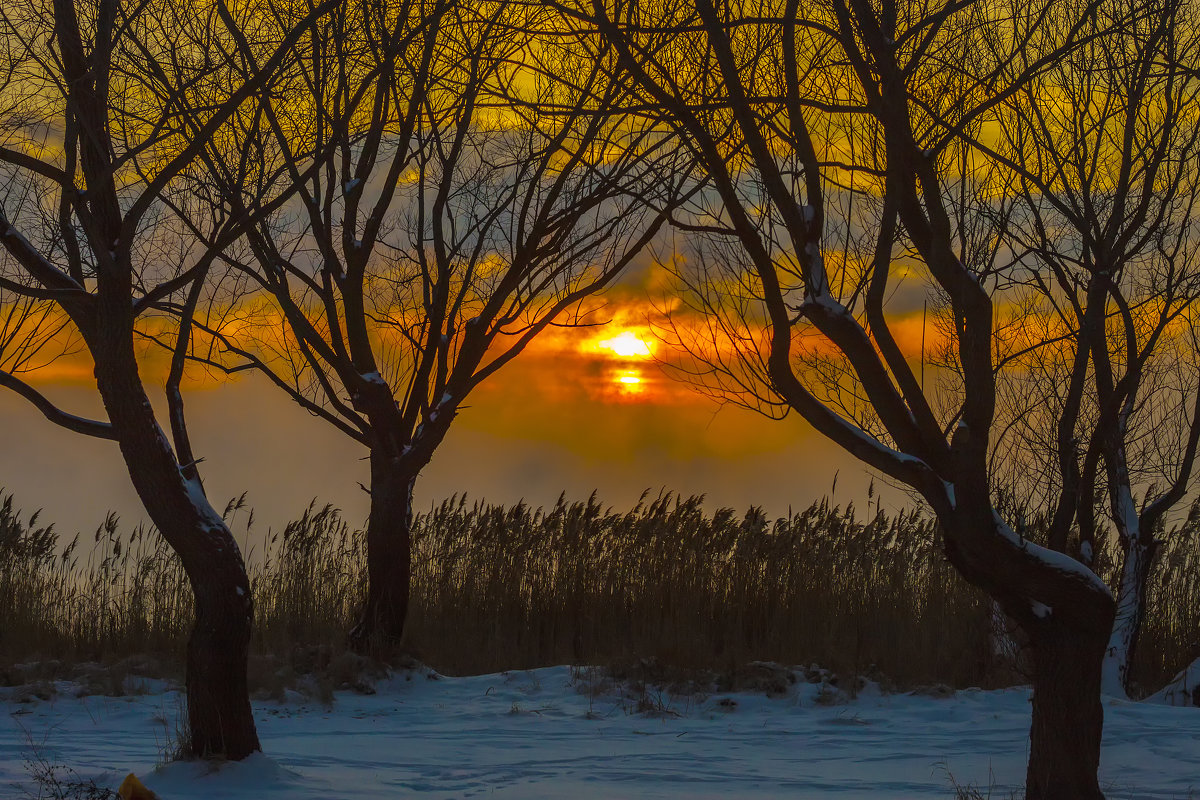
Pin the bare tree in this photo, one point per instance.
(783, 104)
(1101, 378)
(478, 187)
(106, 110)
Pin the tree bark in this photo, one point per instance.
(1068, 718)
(389, 556)
(1131, 609)
(220, 720)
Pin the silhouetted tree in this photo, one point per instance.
(475, 183)
(106, 109)
(796, 111)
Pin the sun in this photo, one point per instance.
(630, 384)
(627, 345)
(626, 357)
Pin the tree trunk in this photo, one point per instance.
(1068, 719)
(1131, 609)
(389, 557)
(220, 720)
(1067, 614)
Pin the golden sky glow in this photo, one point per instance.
(597, 392)
(582, 408)
(621, 355)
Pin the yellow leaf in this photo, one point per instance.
(133, 789)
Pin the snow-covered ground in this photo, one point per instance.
(557, 733)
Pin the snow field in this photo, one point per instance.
(564, 733)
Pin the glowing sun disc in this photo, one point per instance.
(627, 345)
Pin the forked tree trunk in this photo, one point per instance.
(1131, 610)
(389, 557)
(220, 720)
(1067, 632)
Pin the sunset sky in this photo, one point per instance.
(581, 410)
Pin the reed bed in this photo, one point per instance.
(667, 580)
(509, 587)
(128, 595)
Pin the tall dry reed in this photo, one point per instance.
(128, 595)
(504, 587)
(580, 583)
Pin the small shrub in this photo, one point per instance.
(55, 781)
